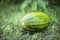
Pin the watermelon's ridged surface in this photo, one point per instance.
(35, 21)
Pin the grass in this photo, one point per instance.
(10, 28)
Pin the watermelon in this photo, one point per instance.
(35, 21)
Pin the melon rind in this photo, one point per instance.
(35, 21)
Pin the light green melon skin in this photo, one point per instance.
(35, 21)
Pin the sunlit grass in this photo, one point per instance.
(11, 29)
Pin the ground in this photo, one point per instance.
(10, 28)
